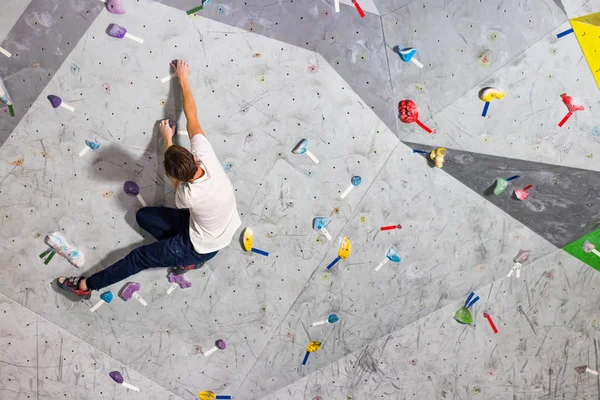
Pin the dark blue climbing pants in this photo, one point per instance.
(171, 227)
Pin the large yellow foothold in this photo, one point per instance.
(247, 239)
(437, 156)
(345, 248)
(313, 346)
(587, 31)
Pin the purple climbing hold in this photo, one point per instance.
(131, 188)
(180, 280)
(129, 290)
(55, 100)
(173, 125)
(114, 6)
(116, 376)
(117, 31)
(221, 344)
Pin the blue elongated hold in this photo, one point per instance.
(338, 258)
(469, 298)
(473, 302)
(261, 252)
(513, 177)
(305, 358)
(564, 33)
(485, 109)
(420, 151)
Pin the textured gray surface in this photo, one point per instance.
(524, 124)
(10, 13)
(39, 41)
(357, 54)
(452, 37)
(42, 361)
(547, 324)
(568, 194)
(255, 108)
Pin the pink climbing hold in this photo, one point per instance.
(114, 7)
(522, 194)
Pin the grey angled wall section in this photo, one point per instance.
(562, 205)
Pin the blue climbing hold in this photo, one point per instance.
(406, 54)
(107, 297)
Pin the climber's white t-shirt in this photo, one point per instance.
(214, 216)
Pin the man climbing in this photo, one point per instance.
(204, 221)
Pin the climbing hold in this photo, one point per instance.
(330, 320)
(391, 255)
(571, 106)
(343, 251)
(219, 345)
(106, 297)
(119, 32)
(522, 194)
(502, 183)
(177, 280)
(463, 315)
(62, 246)
(247, 239)
(6, 99)
(311, 348)
(409, 113)
(487, 94)
(437, 156)
(130, 290)
(90, 145)
(302, 148)
(320, 224)
(408, 54)
(589, 247)
(132, 188)
(117, 377)
(114, 7)
(57, 102)
(358, 8)
(354, 182)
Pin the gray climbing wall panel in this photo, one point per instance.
(357, 54)
(541, 338)
(257, 97)
(39, 42)
(568, 194)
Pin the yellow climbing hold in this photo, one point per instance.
(313, 346)
(587, 31)
(262, 78)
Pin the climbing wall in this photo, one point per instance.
(261, 86)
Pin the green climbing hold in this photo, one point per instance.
(463, 315)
